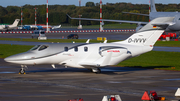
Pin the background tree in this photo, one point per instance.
(90, 4)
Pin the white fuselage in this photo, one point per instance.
(99, 54)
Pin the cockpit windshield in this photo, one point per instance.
(43, 47)
(35, 47)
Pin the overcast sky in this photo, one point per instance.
(5, 3)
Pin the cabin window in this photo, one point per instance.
(75, 49)
(85, 49)
(66, 49)
(35, 47)
(43, 47)
(179, 18)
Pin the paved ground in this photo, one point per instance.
(42, 83)
(108, 35)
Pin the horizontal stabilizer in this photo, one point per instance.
(150, 33)
(163, 24)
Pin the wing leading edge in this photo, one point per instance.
(109, 20)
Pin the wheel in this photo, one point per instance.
(22, 71)
(96, 70)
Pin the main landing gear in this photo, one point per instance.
(96, 70)
(22, 70)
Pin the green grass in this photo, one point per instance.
(8, 50)
(155, 59)
(168, 43)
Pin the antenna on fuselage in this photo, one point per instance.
(105, 41)
(88, 41)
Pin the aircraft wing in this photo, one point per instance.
(136, 13)
(109, 20)
(103, 61)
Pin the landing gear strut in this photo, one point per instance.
(22, 70)
(96, 70)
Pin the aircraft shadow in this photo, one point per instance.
(104, 70)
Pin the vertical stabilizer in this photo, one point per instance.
(153, 7)
(16, 22)
(150, 33)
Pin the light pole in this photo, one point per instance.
(35, 16)
(80, 14)
(101, 23)
(47, 16)
(80, 26)
(21, 16)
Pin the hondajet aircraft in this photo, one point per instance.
(93, 55)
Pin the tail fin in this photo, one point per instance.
(153, 7)
(150, 33)
(16, 22)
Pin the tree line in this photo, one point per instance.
(57, 13)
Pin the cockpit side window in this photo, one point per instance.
(43, 47)
(35, 47)
(179, 18)
(66, 49)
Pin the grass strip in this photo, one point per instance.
(8, 50)
(155, 60)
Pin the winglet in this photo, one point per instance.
(68, 16)
(136, 13)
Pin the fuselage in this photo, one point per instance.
(77, 54)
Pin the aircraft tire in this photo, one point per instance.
(99, 70)
(96, 70)
(21, 71)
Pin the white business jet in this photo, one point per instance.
(9, 27)
(93, 55)
(56, 27)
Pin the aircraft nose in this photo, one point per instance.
(7, 59)
(18, 57)
(11, 58)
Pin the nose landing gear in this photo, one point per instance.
(22, 70)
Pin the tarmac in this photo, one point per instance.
(43, 83)
(87, 35)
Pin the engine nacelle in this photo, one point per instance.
(116, 51)
(4, 26)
